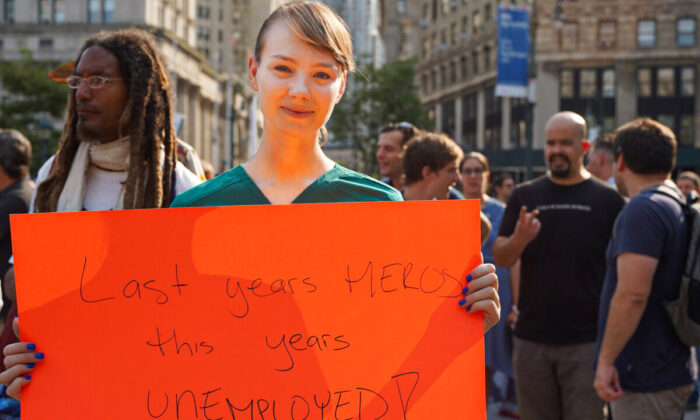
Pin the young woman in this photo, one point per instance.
(303, 55)
(474, 171)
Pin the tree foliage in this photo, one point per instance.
(32, 103)
(378, 96)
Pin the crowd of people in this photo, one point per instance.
(577, 263)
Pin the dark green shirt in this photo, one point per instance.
(235, 187)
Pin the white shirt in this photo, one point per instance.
(102, 187)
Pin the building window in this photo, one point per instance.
(587, 84)
(433, 80)
(44, 11)
(465, 28)
(665, 83)
(607, 31)
(100, 11)
(566, 84)
(443, 76)
(487, 15)
(591, 93)
(45, 43)
(401, 6)
(687, 81)
(476, 21)
(568, 38)
(50, 11)
(475, 62)
(646, 33)
(463, 67)
(108, 11)
(487, 58)
(426, 47)
(453, 72)
(670, 99)
(686, 130)
(425, 83)
(94, 12)
(608, 83)
(453, 33)
(644, 82)
(686, 32)
(8, 11)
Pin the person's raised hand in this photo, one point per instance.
(528, 225)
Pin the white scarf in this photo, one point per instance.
(112, 156)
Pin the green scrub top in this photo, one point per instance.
(235, 187)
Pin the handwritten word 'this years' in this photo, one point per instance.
(393, 403)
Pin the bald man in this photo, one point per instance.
(559, 226)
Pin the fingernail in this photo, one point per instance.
(31, 346)
(469, 278)
(465, 290)
(462, 302)
(30, 365)
(39, 355)
(469, 309)
(27, 377)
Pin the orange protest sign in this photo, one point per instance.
(320, 311)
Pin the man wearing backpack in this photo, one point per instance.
(643, 367)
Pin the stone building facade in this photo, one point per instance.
(610, 61)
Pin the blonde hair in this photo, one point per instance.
(314, 23)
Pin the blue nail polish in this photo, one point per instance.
(30, 365)
(27, 377)
(462, 302)
(39, 355)
(31, 346)
(465, 290)
(469, 278)
(469, 309)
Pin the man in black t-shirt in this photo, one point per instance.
(559, 226)
(643, 367)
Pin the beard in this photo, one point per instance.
(85, 135)
(561, 172)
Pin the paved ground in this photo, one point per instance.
(493, 410)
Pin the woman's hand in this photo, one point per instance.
(481, 294)
(20, 359)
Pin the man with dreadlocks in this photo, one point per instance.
(118, 148)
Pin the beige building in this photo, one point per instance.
(613, 61)
(608, 61)
(54, 30)
(398, 26)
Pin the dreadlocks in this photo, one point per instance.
(147, 119)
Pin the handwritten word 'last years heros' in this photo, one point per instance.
(371, 279)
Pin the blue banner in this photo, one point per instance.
(513, 51)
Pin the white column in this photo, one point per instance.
(438, 117)
(480, 118)
(505, 123)
(458, 119)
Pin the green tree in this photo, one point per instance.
(33, 103)
(378, 96)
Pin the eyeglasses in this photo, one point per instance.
(93, 82)
(475, 172)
